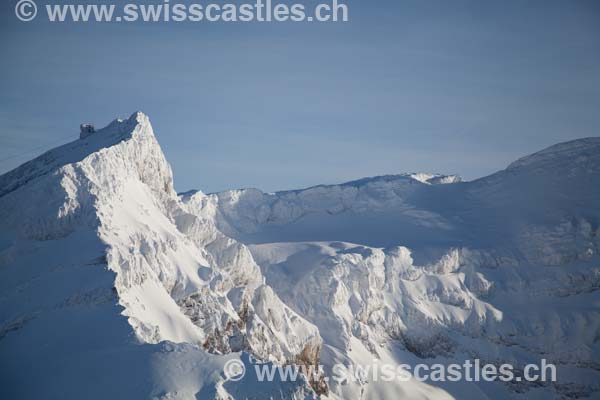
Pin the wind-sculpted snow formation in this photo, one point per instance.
(113, 286)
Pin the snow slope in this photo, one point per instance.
(113, 286)
(504, 268)
(98, 275)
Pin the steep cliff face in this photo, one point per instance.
(105, 205)
(502, 268)
(112, 281)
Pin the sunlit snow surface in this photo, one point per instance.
(113, 286)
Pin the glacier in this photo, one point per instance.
(112, 285)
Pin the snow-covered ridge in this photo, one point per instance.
(426, 178)
(499, 268)
(423, 177)
(174, 276)
(98, 253)
(518, 210)
(246, 210)
(117, 130)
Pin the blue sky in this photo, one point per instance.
(437, 86)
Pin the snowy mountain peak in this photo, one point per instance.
(397, 268)
(111, 230)
(136, 126)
